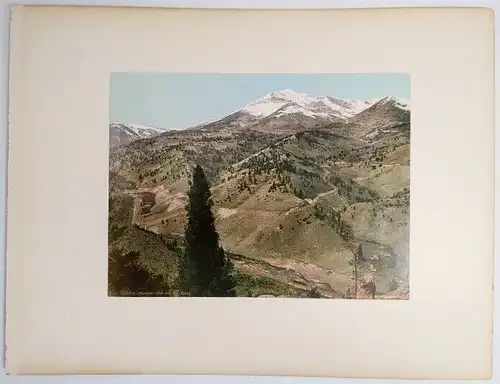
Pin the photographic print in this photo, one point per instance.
(259, 185)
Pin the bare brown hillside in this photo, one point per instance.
(293, 203)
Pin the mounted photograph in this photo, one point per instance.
(259, 185)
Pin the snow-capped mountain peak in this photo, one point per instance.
(396, 101)
(121, 133)
(290, 96)
(271, 102)
(312, 106)
(136, 128)
(288, 110)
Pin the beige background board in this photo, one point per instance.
(59, 318)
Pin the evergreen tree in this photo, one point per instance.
(206, 270)
(356, 264)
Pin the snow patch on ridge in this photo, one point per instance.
(397, 102)
(311, 106)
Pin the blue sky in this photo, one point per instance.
(169, 101)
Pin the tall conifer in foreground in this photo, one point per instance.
(206, 270)
(355, 263)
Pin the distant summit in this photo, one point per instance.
(291, 111)
(121, 134)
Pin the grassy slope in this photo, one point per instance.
(258, 219)
(159, 256)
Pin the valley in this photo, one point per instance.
(300, 187)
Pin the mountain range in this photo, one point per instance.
(121, 134)
(299, 183)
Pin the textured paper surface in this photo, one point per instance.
(59, 318)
